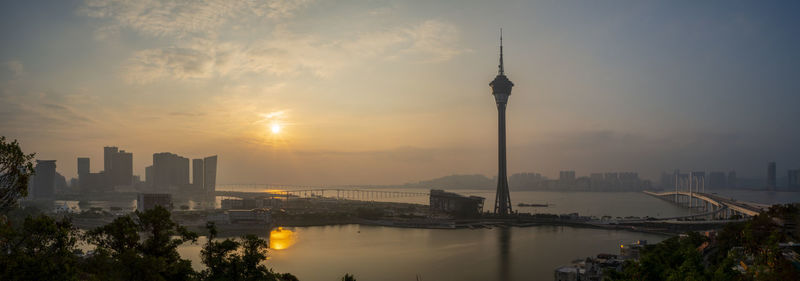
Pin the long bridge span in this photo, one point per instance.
(332, 193)
(712, 205)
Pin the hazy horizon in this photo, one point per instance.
(379, 92)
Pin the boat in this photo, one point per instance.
(532, 205)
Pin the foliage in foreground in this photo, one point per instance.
(16, 168)
(753, 243)
(140, 246)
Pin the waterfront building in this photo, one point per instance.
(631, 251)
(501, 90)
(121, 168)
(568, 273)
(149, 173)
(197, 173)
(716, 180)
(629, 180)
(455, 204)
(83, 171)
(591, 268)
(793, 179)
(245, 203)
(210, 177)
(612, 180)
(254, 216)
(147, 201)
(170, 170)
(596, 181)
(772, 181)
(732, 183)
(44, 179)
(108, 153)
(566, 179)
(83, 166)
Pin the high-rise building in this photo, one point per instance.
(121, 168)
(793, 179)
(716, 180)
(83, 171)
(732, 183)
(197, 173)
(148, 176)
(566, 176)
(83, 166)
(108, 156)
(772, 181)
(210, 176)
(117, 167)
(501, 90)
(44, 179)
(170, 170)
(596, 181)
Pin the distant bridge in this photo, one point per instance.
(332, 193)
(714, 205)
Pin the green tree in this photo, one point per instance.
(348, 277)
(237, 260)
(16, 168)
(41, 249)
(121, 253)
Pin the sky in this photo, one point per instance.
(388, 92)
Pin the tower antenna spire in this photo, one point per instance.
(501, 71)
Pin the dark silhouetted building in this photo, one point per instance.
(83, 166)
(596, 181)
(772, 181)
(566, 178)
(148, 176)
(147, 201)
(108, 156)
(716, 180)
(455, 204)
(793, 179)
(612, 180)
(121, 168)
(197, 173)
(44, 179)
(501, 90)
(210, 177)
(732, 182)
(117, 167)
(170, 170)
(83, 170)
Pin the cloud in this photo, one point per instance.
(16, 68)
(178, 63)
(287, 53)
(183, 18)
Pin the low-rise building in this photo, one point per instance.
(254, 216)
(631, 251)
(455, 204)
(147, 201)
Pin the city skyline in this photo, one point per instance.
(287, 93)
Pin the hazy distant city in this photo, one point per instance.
(286, 140)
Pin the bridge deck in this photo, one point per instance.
(748, 208)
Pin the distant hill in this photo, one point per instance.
(456, 182)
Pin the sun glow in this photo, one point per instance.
(280, 239)
(275, 128)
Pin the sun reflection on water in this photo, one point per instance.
(280, 239)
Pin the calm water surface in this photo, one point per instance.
(383, 253)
